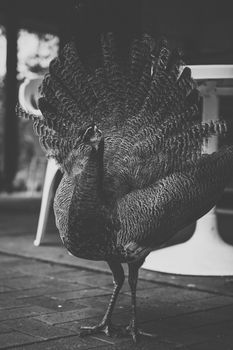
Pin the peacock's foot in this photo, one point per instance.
(137, 333)
(104, 327)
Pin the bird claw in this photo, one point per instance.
(136, 333)
(106, 328)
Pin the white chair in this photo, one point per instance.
(47, 197)
(28, 97)
(205, 253)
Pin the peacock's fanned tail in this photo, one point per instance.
(146, 107)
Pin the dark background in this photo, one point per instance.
(204, 29)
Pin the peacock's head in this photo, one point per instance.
(91, 136)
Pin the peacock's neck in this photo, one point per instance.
(90, 183)
(83, 219)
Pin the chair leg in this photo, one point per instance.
(51, 171)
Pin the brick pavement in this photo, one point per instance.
(42, 306)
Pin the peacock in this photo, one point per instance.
(124, 126)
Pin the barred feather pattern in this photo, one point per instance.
(132, 102)
(154, 174)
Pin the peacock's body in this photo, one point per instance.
(127, 189)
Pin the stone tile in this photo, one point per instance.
(143, 345)
(21, 283)
(95, 279)
(36, 328)
(42, 269)
(7, 302)
(22, 312)
(15, 338)
(50, 288)
(220, 314)
(221, 331)
(180, 323)
(4, 259)
(66, 316)
(171, 335)
(171, 294)
(4, 328)
(215, 284)
(212, 345)
(67, 343)
(208, 303)
(79, 294)
(52, 303)
(4, 289)
(73, 275)
(171, 332)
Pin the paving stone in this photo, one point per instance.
(8, 272)
(220, 314)
(4, 289)
(7, 302)
(187, 313)
(73, 275)
(36, 328)
(22, 312)
(4, 259)
(208, 303)
(52, 303)
(106, 281)
(212, 345)
(4, 328)
(41, 269)
(187, 338)
(91, 278)
(9, 260)
(172, 295)
(181, 323)
(66, 316)
(27, 282)
(192, 335)
(143, 345)
(221, 331)
(83, 293)
(49, 288)
(68, 343)
(15, 338)
(216, 284)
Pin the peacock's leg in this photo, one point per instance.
(105, 325)
(133, 279)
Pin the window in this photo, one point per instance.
(35, 51)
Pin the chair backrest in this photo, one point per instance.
(29, 94)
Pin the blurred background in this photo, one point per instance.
(31, 34)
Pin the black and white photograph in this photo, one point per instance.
(116, 175)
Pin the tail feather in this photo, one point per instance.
(146, 107)
(70, 72)
(114, 76)
(139, 75)
(182, 144)
(171, 124)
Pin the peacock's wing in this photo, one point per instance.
(151, 216)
